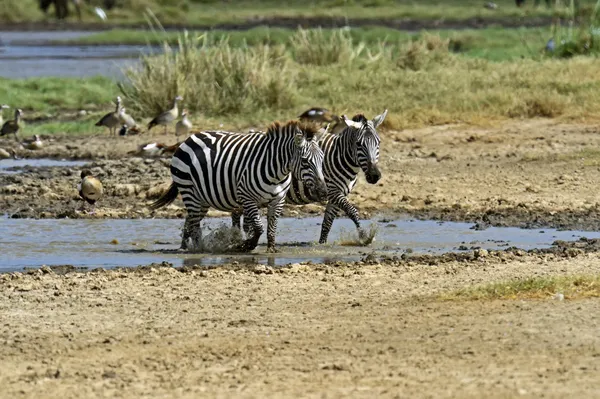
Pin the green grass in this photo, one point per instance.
(572, 287)
(496, 44)
(209, 13)
(50, 95)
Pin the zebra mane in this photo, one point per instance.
(359, 118)
(310, 129)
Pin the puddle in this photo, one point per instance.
(14, 166)
(33, 243)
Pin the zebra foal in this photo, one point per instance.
(243, 171)
(356, 148)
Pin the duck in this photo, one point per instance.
(153, 150)
(126, 119)
(166, 117)
(12, 126)
(34, 144)
(184, 125)
(90, 188)
(2, 106)
(111, 120)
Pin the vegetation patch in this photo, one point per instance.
(557, 287)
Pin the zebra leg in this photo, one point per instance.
(193, 230)
(252, 216)
(275, 208)
(352, 213)
(331, 212)
(236, 217)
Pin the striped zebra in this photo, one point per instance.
(242, 172)
(346, 153)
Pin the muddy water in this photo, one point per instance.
(89, 243)
(24, 54)
(14, 166)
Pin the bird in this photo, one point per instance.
(12, 126)
(126, 119)
(90, 188)
(111, 120)
(34, 144)
(7, 154)
(183, 126)
(490, 5)
(3, 106)
(166, 117)
(321, 115)
(100, 13)
(153, 150)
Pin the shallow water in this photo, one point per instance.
(23, 55)
(14, 166)
(33, 243)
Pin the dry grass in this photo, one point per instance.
(571, 287)
(422, 83)
(212, 77)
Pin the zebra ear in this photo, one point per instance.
(379, 119)
(299, 139)
(350, 122)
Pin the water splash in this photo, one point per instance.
(354, 238)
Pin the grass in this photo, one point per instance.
(50, 95)
(497, 44)
(209, 13)
(240, 85)
(417, 81)
(572, 287)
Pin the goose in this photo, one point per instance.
(111, 120)
(126, 119)
(12, 126)
(10, 154)
(183, 126)
(90, 188)
(166, 117)
(320, 115)
(34, 144)
(3, 106)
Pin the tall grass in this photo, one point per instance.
(422, 82)
(212, 77)
(580, 36)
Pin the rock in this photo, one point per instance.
(157, 191)
(481, 253)
(46, 270)
(125, 190)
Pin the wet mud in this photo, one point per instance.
(532, 174)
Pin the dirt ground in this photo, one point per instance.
(371, 329)
(533, 173)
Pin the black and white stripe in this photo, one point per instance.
(243, 171)
(355, 148)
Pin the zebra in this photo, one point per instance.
(346, 153)
(242, 172)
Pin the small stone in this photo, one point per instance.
(481, 253)
(115, 241)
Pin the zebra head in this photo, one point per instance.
(367, 144)
(307, 165)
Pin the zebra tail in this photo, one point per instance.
(166, 198)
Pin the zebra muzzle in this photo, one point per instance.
(373, 174)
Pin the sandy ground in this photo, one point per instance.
(372, 329)
(535, 173)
